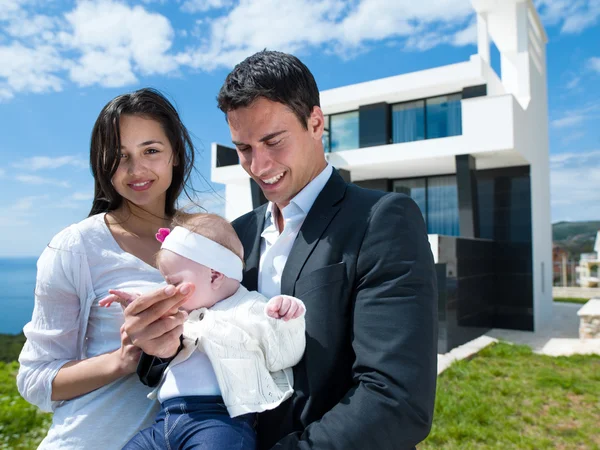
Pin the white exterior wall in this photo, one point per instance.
(238, 200)
(522, 42)
(507, 127)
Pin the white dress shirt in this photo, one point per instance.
(276, 244)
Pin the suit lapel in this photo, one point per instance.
(320, 215)
(251, 244)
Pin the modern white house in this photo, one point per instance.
(588, 270)
(470, 146)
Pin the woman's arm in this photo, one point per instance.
(77, 378)
(49, 367)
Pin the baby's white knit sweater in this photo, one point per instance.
(251, 353)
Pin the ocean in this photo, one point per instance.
(17, 282)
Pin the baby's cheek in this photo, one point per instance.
(194, 302)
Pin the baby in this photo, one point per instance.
(238, 346)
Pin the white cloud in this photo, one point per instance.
(108, 69)
(194, 6)
(25, 203)
(38, 26)
(115, 40)
(559, 160)
(104, 42)
(44, 162)
(594, 63)
(568, 121)
(574, 178)
(112, 43)
(24, 69)
(8, 8)
(19, 212)
(574, 16)
(37, 180)
(78, 196)
(573, 83)
(576, 117)
(337, 26)
(466, 36)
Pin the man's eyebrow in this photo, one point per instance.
(268, 137)
(145, 143)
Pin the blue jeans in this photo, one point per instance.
(201, 422)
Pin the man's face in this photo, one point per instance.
(275, 149)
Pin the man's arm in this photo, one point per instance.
(394, 339)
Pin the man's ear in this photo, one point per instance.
(316, 122)
(216, 279)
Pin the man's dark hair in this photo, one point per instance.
(276, 76)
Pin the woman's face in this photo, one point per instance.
(145, 170)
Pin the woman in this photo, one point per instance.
(76, 361)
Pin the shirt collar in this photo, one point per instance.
(304, 199)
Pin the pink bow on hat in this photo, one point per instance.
(162, 234)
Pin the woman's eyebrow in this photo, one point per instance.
(145, 143)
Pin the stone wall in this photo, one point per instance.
(575, 292)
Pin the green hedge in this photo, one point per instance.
(10, 346)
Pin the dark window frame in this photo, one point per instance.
(424, 100)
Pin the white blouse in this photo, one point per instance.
(78, 267)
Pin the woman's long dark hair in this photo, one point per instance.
(105, 147)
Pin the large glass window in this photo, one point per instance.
(416, 189)
(325, 137)
(444, 116)
(442, 206)
(408, 121)
(343, 131)
(437, 197)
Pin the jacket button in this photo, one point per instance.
(201, 316)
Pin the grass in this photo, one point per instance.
(507, 397)
(571, 300)
(22, 426)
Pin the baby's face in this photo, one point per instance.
(176, 270)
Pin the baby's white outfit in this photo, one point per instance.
(250, 352)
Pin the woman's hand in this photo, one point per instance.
(126, 357)
(153, 321)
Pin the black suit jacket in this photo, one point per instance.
(362, 265)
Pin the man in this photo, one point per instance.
(359, 259)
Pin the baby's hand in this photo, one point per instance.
(284, 307)
(122, 297)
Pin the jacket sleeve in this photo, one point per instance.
(53, 332)
(390, 405)
(282, 342)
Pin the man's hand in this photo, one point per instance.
(153, 321)
(284, 307)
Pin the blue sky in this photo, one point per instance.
(61, 61)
